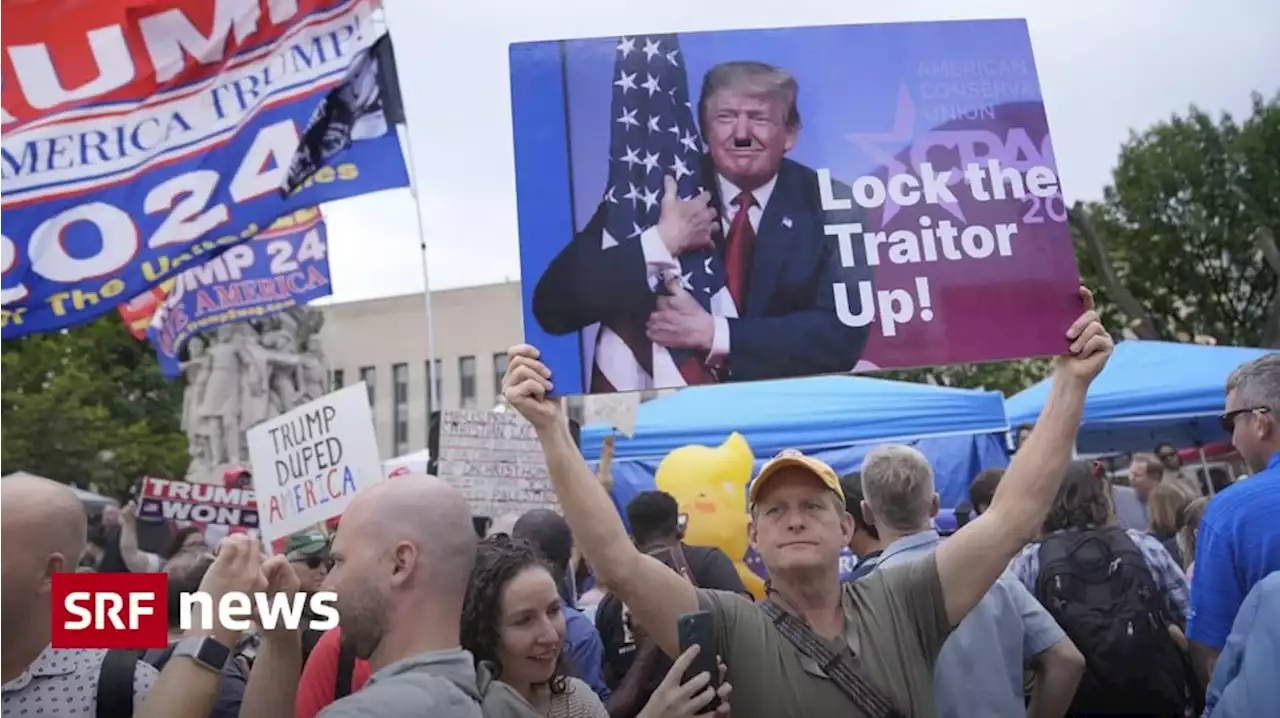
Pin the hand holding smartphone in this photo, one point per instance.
(699, 629)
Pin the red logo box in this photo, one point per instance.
(110, 610)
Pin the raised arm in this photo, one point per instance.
(656, 595)
(970, 561)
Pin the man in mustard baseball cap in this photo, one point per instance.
(798, 521)
(792, 458)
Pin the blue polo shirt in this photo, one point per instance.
(979, 670)
(1238, 545)
(586, 651)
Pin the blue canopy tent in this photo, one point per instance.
(1150, 393)
(836, 418)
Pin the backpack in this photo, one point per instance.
(115, 683)
(346, 670)
(1097, 586)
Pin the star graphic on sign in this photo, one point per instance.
(675, 130)
(627, 46)
(632, 194)
(650, 162)
(706, 265)
(685, 281)
(690, 142)
(608, 196)
(625, 81)
(650, 198)
(680, 169)
(671, 58)
(874, 145)
(632, 158)
(651, 84)
(651, 48)
(653, 123)
(628, 118)
(635, 230)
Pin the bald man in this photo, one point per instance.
(42, 532)
(402, 558)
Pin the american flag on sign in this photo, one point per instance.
(653, 135)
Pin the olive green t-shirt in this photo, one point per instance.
(895, 623)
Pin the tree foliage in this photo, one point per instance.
(1182, 245)
(1178, 247)
(89, 404)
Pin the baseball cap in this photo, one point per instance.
(305, 543)
(792, 458)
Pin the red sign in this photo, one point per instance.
(110, 610)
(137, 312)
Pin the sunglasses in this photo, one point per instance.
(314, 562)
(1229, 419)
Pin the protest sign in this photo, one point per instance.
(309, 463)
(913, 218)
(206, 504)
(495, 460)
(280, 268)
(143, 139)
(616, 410)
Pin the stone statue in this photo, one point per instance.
(220, 405)
(313, 372)
(196, 371)
(243, 374)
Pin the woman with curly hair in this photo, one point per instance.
(512, 619)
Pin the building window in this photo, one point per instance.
(499, 371)
(336, 380)
(400, 407)
(467, 381)
(369, 375)
(433, 386)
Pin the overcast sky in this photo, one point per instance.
(1106, 66)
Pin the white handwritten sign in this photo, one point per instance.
(495, 460)
(616, 410)
(309, 463)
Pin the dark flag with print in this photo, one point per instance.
(366, 105)
(653, 135)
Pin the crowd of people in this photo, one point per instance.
(1050, 599)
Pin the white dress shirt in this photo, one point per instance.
(660, 261)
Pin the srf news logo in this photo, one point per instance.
(131, 610)
(110, 610)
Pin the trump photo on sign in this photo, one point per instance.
(734, 206)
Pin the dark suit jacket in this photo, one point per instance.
(789, 325)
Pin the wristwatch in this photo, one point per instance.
(206, 651)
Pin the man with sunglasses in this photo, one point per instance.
(1239, 540)
(308, 554)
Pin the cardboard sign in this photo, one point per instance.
(495, 460)
(616, 410)
(913, 217)
(309, 463)
(208, 504)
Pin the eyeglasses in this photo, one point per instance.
(1229, 419)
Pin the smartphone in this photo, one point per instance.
(699, 628)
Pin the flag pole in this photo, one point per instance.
(381, 21)
(426, 276)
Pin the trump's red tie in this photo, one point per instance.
(741, 246)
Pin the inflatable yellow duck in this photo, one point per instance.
(710, 484)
